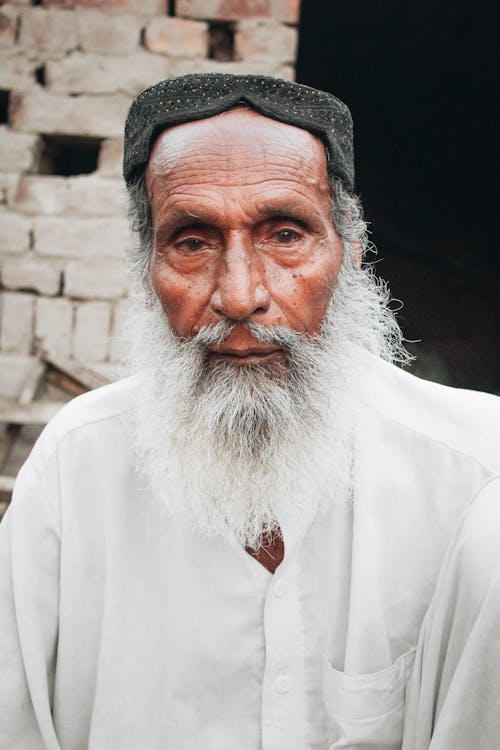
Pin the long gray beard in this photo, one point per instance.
(244, 451)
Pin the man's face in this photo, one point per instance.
(247, 268)
(242, 230)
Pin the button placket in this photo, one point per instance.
(279, 588)
(282, 684)
(283, 706)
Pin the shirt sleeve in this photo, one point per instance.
(453, 699)
(29, 600)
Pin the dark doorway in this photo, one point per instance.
(420, 80)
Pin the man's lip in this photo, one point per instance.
(243, 353)
(248, 357)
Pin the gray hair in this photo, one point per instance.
(139, 212)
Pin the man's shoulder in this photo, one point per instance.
(111, 402)
(466, 421)
(102, 403)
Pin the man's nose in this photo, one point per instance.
(241, 290)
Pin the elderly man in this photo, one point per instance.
(270, 536)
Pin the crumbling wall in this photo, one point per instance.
(69, 69)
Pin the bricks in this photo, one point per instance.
(52, 30)
(17, 71)
(19, 150)
(257, 39)
(48, 30)
(107, 34)
(102, 74)
(72, 67)
(100, 279)
(266, 66)
(287, 72)
(58, 3)
(90, 195)
(8, 187)
(224, 10)
(177, 37)
(85, 195)
(53, 325)
(111, 158)
(92, 326)
(285, 11)
(40, 194)
(144, 7)
(39, 111)
(8, 24)
(17, 323)
(14, 233)
(31, 273)
(81, 238)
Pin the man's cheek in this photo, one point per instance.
(310, 295)
(184, 300)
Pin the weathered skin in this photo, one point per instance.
(242, 231)
(242, 226)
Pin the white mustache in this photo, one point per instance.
(212, 334)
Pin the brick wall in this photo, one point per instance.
(68, 71)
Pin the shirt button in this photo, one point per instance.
(278, 588)
(282, 684)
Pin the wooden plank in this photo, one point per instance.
(13, 372)
(32, 382)
(80, 373)
(37, 412)
(6, 483)
(32, 379)
(65, 383)
(7, 440)
(6, 487)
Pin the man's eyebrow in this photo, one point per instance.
(175, 220)
(176, 216)
(281, 211)
(178, 219)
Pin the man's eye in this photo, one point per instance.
(191, 244)
(286, 236)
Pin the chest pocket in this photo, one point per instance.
(365, 711)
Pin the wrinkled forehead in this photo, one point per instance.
(236, 140)
(195, 97)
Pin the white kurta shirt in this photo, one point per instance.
(122, 628)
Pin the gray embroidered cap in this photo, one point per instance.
(196, 96)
